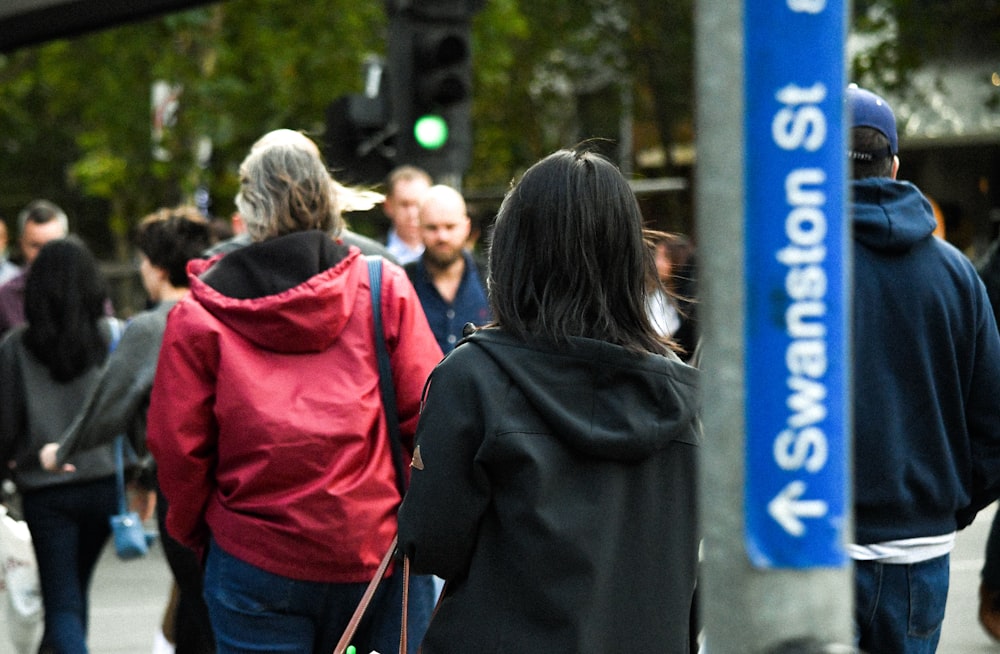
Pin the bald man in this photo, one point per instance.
(448, 283)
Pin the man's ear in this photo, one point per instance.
(895, 166)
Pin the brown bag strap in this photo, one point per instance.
(359, 612)
(406, 603)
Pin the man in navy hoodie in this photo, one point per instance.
(926, 389)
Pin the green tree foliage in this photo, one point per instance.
(903, 35)
(75, 116)
(75, 120)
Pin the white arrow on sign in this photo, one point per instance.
(786, 508)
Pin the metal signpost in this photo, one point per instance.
(771, 198)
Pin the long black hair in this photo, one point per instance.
(568, 255)
(64, 299)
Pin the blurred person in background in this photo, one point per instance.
(38, 223)
(8, 269)
(166, 240)
(405, 188)
(989, 589)
(672, 304)
(48, 368)
(446, 277)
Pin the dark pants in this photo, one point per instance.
(69, 526)
(256, 611)
(192, 630)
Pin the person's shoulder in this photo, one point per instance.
(12, 348)
(228, 245)
(479, 342)
(15, 284)
(147, 323)
(12, 338)
(393, 275)
(368, 246)
(465, 362)
(961, 269)
(950, 252)
(189, 317)
(8, 271)
(476, 266)
(412, 267)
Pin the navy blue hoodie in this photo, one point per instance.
(926, 373)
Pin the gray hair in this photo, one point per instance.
(285, 187)
(41, 212)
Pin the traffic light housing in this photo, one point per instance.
(430, 77)
(357, 141)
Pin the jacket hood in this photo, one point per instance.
(291, 294)
(890, 215)
(596, 396)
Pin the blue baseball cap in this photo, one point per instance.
(870, 110)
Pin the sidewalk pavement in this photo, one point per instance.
(962, 633)
(127, 600)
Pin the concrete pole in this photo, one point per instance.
(748, 607)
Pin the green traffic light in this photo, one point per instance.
(430, 131)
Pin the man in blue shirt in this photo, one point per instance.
(447, 281)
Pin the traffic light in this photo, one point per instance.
(430, 76)
(357, 147)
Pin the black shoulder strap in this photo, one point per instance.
(385, 372)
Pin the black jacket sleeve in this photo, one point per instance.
(449, 490)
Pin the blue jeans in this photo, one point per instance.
(900, 608)
(256, 611)
(69, 526)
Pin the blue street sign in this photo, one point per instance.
(797, 265)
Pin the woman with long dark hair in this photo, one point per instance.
(48, 368)
(553, 484)
(165, 241)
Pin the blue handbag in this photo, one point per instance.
(131, 539)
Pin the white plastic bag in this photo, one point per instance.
(19, 577)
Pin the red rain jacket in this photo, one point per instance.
(266, 419)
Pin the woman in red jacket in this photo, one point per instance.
(266, 420)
